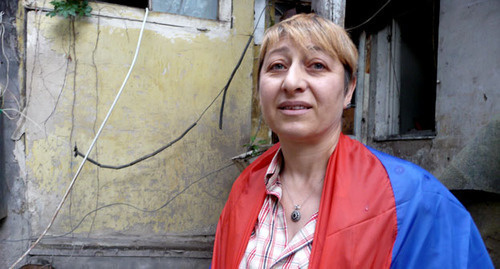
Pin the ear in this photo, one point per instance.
(350, 92)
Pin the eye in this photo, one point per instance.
(277, 66)
(318, 66)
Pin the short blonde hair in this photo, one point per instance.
(302, 29)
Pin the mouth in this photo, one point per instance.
(294, 106)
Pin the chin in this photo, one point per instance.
(295, 134)
(305, 134)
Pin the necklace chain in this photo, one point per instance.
(295, 216)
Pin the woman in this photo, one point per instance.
(321, 200)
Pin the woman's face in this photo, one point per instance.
(302, 92)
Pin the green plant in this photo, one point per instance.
(254, 147)
(70, 8)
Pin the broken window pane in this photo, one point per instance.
(130, 3)
(206, 9)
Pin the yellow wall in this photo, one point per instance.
(179, 71)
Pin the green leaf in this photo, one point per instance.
(70, 8)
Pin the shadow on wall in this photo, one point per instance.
(475, 171)
(484, 208)
(3, 187)
(477, 165)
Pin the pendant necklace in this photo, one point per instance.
(295, 216)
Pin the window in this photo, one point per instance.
(130, 3)
(205, 9)
(277, 11)
(398, 66)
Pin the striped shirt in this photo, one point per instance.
(268, 246)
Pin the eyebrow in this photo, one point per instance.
(286, 49)
(279, 50)
(315, 48)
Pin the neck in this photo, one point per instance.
(305, 163)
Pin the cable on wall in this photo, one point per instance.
(90, 148)
(147, 156)
(221, 115)
(224, 90)
(369, 19)
(4, 90)
(236, 68)
(130, 205)
(145, 210)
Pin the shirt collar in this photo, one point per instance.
(272, 181)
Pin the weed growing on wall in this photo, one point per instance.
(70, 8)
(256, 147)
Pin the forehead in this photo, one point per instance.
(287, 45)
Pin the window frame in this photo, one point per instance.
(378, 88)
(223, 13)
(181, 22)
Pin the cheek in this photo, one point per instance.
(332, 104)
(264, 102)
(263, 96)
(265, 93)
(333, 95)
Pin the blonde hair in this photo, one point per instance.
(302, 29)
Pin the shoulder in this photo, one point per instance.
(434, 228)
(420, 199)
(409, 181)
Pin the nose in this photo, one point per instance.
(295, 79)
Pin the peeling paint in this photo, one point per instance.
(178, 72)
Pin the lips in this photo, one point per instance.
(294, 105)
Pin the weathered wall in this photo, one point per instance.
(469, 74)
(467, 94)
(464, 153)
(15, 225)
(467, 147)
(72, 76)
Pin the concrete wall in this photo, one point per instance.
(467, 112)
(16, 224)
(68, 80)
(467, 92)
(469, 72)
(72, 76)
(464, 153)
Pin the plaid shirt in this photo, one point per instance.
(268, 246)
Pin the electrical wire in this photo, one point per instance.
(3, 110)
(236, 68)
(129, 205)
(7, 79)
(22, 114)
(221, 115)
(147, 210)
(86, 156)
(147, 156)
(2, 91)
(90, 148)
(169, 144)
(6, 87)
(369, 19)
